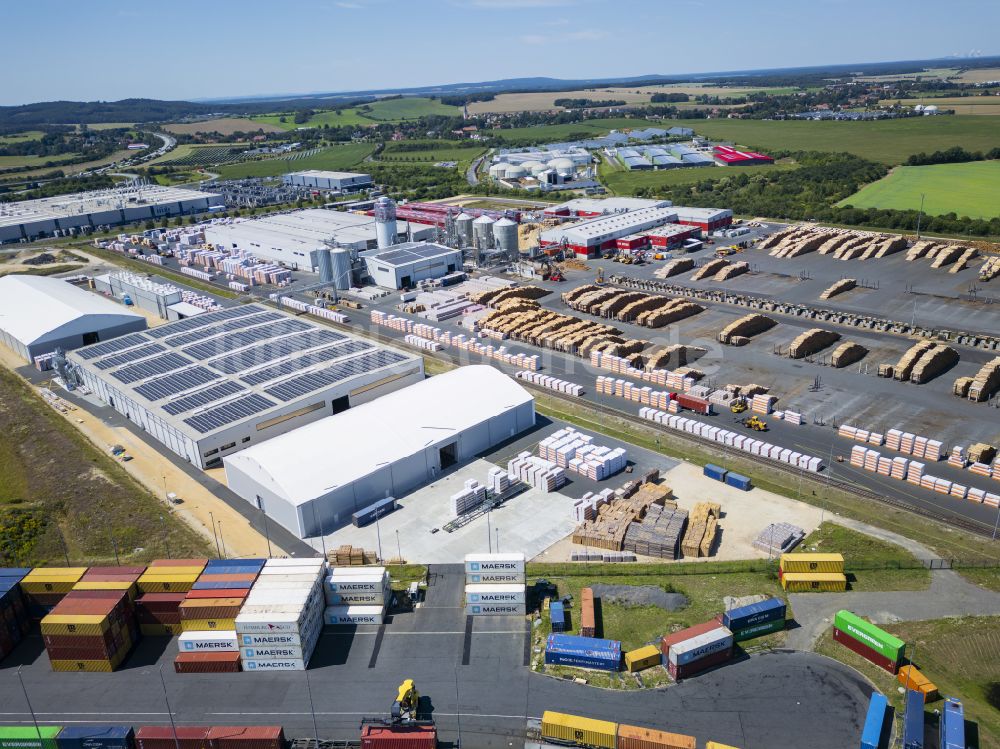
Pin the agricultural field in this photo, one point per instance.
(963, 105)
(202, 156)
(968, 189)
(433, 152)
(571, 131)
(346, 118)
(334, 158)
(886, 141)
(30, 160)
(623, 182)
(49, 477)
(222, 125)
(391, 110)
(24, 137)
(979, 75)
(107, 125)
(408, 108)
(925, 74)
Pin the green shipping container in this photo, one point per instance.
(759, 630)
(26, 737)
(868, 634)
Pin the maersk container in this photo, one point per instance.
(557, 614)
(742, 617)
(701, 646)
(264, 640)
(373, 512)
(871, 734)
(95, 737)
(479, 563)
(276, 653)
(495, 578)
(913, 722)
(738, 481)
(715, 472)
(759, 630)
(290, 664)
(868, 634)
(207, 642)
(494, 594)
(374, 598)
(353, 615)
(495, 609)
(952, 725)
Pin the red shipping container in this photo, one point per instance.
(224, 609)
(158, 617)
(79, 641)
(220, 593)
(694, 667)
(160, 601)
(398, 737)
(177, 563)
(686, 634)
(162, 737)
(698, 405)
(246, 737)
(864, 651)
(207, 663)
(112, 571)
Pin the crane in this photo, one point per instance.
(404, 709)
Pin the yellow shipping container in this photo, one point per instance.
(52, 579)
(90, 666)
(167, 583)
(812, 563)
(88, 585)
(574, 729)
(160, 630)
(59, 573)
(186, 570)
(75, 624)
(717, 745)
(804, 582)
(911, 678)
(200, 625)
(642, 658)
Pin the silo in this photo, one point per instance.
(385, 222)
(341, 268)
(325, 266)
(482, 229)
(505, 233)
(463, 226)
(499, 170)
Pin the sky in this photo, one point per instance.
(198, 49)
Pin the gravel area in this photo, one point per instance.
(640, 595)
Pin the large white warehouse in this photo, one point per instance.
(402, 265)
(32, 219)
(312, 480)
(326, 180)
(40, 314)
(213, 384)
(294, 238)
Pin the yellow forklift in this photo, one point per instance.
(755, 423)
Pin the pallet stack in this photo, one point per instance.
(701, 529)
(347, 555)
(778, 538)
(658, 534)
(469, 498)
(552, 383)
(575, 451)
(763, 404)
(537, 472)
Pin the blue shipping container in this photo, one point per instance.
(738, 481)
(952, 725)
(378, 510)
(557, 613)
(244, 565)
(871, 734)
(755, 613)
(583, 644)
(95, 737)
(606, 662)
(913, 726)
(715, 472)
(15, 572)
(223, 585)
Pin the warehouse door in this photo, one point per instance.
(448, 455)
(90, 338)
(405, 281)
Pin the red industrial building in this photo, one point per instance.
(666, 237)
(436, 214)
(726, 156)
(594, 207)
(589, 238)
(706, 219)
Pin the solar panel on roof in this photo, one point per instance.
(178, 382)
(150, 368)
(227, 413)
(304, 362)
(206, 318)
(134, 354)
(224, 327)
(118, 344)
(296, 387)
(256, 356)
(202, 397)
(239, 339)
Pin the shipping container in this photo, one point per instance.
(588, 620)
(165, 737)
(273, 653)
(759, 630)
(635, 737)
(686, 634)
(683, 671)
(287, 664)
(203, 642)
(479, 563)
(715, 472)
(246, 737)
(374, 511)
(557, 615)
(701, 646)
(813, 582)
(95, 737)
(913, 721)
(495, 609)
(489, 578)
(573, 729)
(871, 733)
(717, 745)
(28, 737)
(208, 625)
(864, 651)
(494, 594)
(353, 615)
(583, 652)
(811, 563)
(867, 633)
(398, 737)
(738, 481)
(742, 617)
(912, 679)
(642, 658)
(952, 725)
(207, 663)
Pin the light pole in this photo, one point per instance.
(312, 706)
(399, 549)
(489, 532)
(458, 710)
(267, 534)
(996, 524)
(170, 714)
(31, 710)
(222, 541)
(497, 531)
(218, 548)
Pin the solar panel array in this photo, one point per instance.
(238, 339)
(203, 397)
(255, 356)
(116, 344)
(206, 318)
(145, 369)
(202, 334)
(133, 354)
(304, 362)
(227, 413)
(296, 387)
(176, 382)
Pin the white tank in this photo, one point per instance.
(463, 225)
(341, 268)
(499, 171)
(482, 229)
(385, 222)
(516, 171)
(533, 167)
(505, 233)
(562, 165)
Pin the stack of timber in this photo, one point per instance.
(990, 269)
(647, 310)
(701, 530)
(847, 353)
(732, 270)
(494, 297)
(904, 367)
(947, 255)
(985, 383)
(351, 556)
(811, 341)
(674, 267)
(933, 362)
(964, 259)
(642, 520)
(744, 327)
(709, 269)
(844, 284)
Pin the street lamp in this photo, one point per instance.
(166, 539)
(218, 548)
(170, 714)
(222, 541)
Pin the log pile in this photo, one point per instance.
(848, 353)
(744, 327)
(811, 341)
(844, 284)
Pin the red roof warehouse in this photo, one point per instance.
(726, 156)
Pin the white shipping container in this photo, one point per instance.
(700, 646)
(494, 563)
(334, 615)
(357, 585)
(289, 664)
(271, 640)
(315, 563)
(360, 598)
(276, 653)
(495, 609)
(207, 641)
(492, 578)
(494, 593)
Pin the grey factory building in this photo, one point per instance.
(326, 180)
(403, 265)
(219, 382)
(40, 314)
(28, 220)
(313, 479)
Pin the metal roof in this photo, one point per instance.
(324, 174)
(408, 253)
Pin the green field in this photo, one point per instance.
(15, 162)
(335, 158)
(623, 182)
(432, 152)
(969, 189)
(392, 110)
(346, 118)
(887, 141)
(23, 137)
(901, 570)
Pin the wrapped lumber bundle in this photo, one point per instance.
(848, 353)
(746, 326)
(732, 270)
(932, 363)
(963, 260)
(904, 367)
(844, 284)
(811, 341)
(709, 269)
(986, 381)
(675, 267)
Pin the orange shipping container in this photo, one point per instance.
(634, 737)
(588, 626)
(911, 678)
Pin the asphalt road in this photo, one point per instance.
(477, 687)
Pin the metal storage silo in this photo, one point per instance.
(325, 265)
(463, 226)
(341, 268)
(482, 229)
(385, 222)
(505, 234)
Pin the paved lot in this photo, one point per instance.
(476, 684)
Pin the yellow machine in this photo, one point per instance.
(755, 423)
(738, 406)
(404, 709)
(599, 280)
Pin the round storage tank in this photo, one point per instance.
(463, 225)
(562, 166)
(325, 265)
(505, 232)
(341, 267)
(516, 171)
(482, 229)
(533, 167)
(499, 171)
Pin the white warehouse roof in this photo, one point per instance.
(336, 451)
(35, 309)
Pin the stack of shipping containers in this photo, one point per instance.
(495, 585)
(163, 587)
(755, 619)
(90, 630)
(208, 614)
(913, 721)
(560, 728)
(868, 641)
(583, 652)
(282, 618)
(356, 595)
(14, 615)
(802, 573)
(952, 725)
(44, 587)
(124, 579)
(696, 648)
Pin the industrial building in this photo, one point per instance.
(666, 237)
(222, 381)
(588, 238)
(591, 207)
(403, 265)
(28, 220)
(669, 156)
(325, 180)
(294, 239)
(706, 219)
(312, 480)
(727, 156)
(39, 314)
